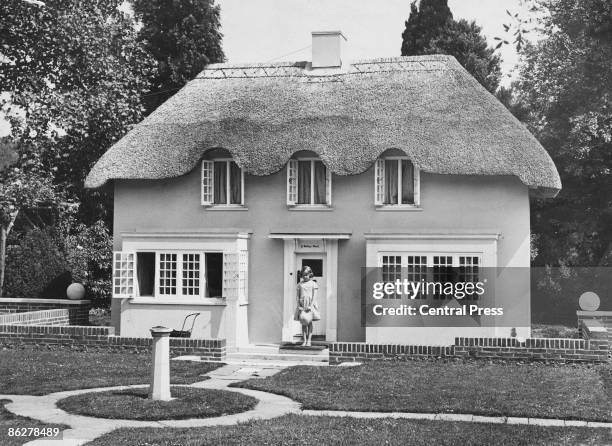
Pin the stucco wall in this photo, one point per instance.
(450, 204)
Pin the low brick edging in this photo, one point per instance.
(104, 338)
(532, 349)
(78, 310)
(41, 317)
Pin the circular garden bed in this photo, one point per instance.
(134, 404)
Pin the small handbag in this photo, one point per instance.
(316, 314)
(306, 317)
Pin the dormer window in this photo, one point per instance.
(308, 183)
(396, 183)
(222, 183)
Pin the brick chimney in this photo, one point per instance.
(327, 49)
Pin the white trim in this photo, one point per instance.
(448, 236)
(398, 208)
(221, 234)
(206, 301)
(310, 207)
(329, 236)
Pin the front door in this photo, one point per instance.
(316, 262)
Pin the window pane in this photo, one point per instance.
(468, 271)
(443, 273)
(391, 173)
(316, 265)
(417, 271)
(320, 179)
(407, 182)
(220, 182)
(145, 272)
(235, 184)
(304, 182)
(167, 274)
(391, 271)
(191, 275)
(214, 274)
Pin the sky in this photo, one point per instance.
(280, 30)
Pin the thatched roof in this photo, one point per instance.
(427, 106)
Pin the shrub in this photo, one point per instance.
(33, 264)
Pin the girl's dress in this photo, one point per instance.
(306, 299)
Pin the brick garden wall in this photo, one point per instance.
(78, 310)
(104, 338)
(41, 317)
(534, 349)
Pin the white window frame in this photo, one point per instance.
(208, 172)
(292, 189)
(179, 275)
(379, 194)
(429, 259)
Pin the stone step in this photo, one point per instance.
(322, 356)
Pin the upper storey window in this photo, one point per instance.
(308, 183)
(396, 182)
(222, 183)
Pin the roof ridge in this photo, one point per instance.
(434, 62)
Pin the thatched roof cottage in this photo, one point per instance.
(252, 171)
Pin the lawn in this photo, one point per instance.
(477, 387)
(295, 429)
(38, 372)
(134, 404)
(12, 421)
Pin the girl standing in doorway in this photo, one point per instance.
(307, 309)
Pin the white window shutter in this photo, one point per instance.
(243, 273)
(328, 186)
(292, 182)
(231, 279)
(207, 182)
(379, 182)
(123, 274)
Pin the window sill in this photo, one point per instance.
(310, 207)
(225, 207)
(204, 301)
(399, 208)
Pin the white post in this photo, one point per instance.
(160, 372)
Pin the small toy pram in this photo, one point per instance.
(182, 333)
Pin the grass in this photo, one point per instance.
(38, 372)
(9, 420)
(303, 430)
(524, 390)
(134, 404)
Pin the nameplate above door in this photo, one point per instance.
(309, 245)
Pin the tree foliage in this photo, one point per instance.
(73, 72)
(431, 29)
(183, 37)
(566, 83)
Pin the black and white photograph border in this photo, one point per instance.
(305, 222)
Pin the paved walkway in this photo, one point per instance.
(84, 429)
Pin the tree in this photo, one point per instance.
(183, 37)
(20, 188)
(566, 83)
(431, 29)
(74, 72)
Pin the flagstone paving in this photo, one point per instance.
(85, 429)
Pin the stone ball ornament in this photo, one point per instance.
(75, 291)
(589, 301)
